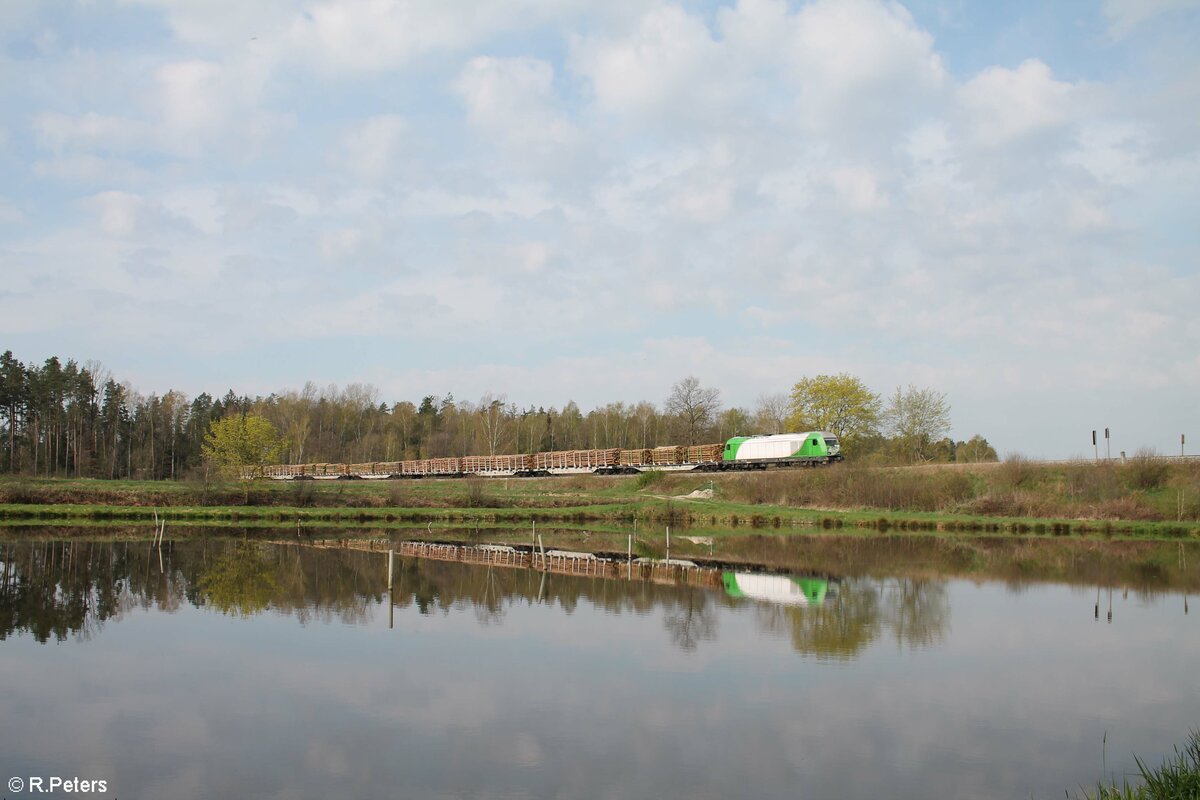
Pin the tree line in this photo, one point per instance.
(77, 419)
(909, 426)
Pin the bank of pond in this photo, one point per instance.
(1144, 497)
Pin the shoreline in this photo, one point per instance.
(620, 503)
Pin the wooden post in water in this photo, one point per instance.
(542, 545)
(391, 601)
(668, 545)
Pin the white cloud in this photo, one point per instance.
(669, 66)
(341, 243)
(1005, 105)
(514, 99)
(857, 188)
(1083, 215)
(533, 257)
(10, 213)
(707, 203)
(858, 60)
(1126, 15)
(192, 95)
(82, 169)
(118, 212)
(200, 102)
(695, 184)
(520, 200)
(373, 148)
(198, 205)
(90, 131)
(356, 36)
(18, 15)
(221, 23)
(1114, 152)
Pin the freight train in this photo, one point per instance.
(814, 448)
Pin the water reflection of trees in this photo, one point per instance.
(915, 613)
(57, 589)
(54, 590)
(241, 581)
(692, 620)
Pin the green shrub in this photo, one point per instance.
(649, 478)
(1146, 470)
(1015, 472)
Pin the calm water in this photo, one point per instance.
(231, 669)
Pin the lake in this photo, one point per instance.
(899, 667)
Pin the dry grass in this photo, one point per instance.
(1147, 487)
(847, 486)
(1146, 470)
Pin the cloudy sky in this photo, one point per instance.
(588, 201)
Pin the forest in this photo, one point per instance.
(66, 418)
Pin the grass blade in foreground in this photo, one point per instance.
(1176, 778)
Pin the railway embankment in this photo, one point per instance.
(1159, 499)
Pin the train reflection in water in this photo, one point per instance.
(787, 590)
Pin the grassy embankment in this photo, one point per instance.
(1145, 497)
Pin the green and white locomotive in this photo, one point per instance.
(783, 449)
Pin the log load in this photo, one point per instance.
(577, 459)
(636, 458)
(505, 463)
(666, 456)
(704, 453)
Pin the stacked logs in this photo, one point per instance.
(577, 459)
(508, 464)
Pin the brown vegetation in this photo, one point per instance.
(1146, 487)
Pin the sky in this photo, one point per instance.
(553, 201)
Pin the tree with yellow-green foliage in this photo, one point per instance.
(841, 404)
(242, 444)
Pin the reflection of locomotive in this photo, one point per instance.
(741, 452)
(790, 590)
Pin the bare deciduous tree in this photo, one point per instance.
(492, 415)
(917, 418)
(693, 404)
(772, 412)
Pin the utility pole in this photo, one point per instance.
(1095, 446)
(1107, 445)
(1181, 441)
